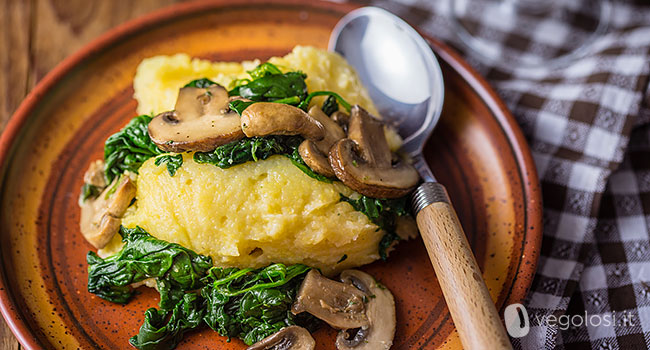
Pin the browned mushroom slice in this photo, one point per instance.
(95, 174)
(289, 338)
(363, 161)
(315, 153)
(342, 119)
(380, 310)
(268, 118)
(339, 304)
(101, 217)
(201, 121)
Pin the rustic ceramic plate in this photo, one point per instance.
(477, 151)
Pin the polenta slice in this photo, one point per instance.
(253, 214)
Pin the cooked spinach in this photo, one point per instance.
(330, 105)
(258, 148)
(239, 106)
(89, 191)
(383, 213)
(267, 83)
(127, 149)
(161, 331)
(203, 83)
(176, 268)
(246, 303)
(272, 87)
(248, 149)
(263, 70)
(173, 162)
(305, 103)
(253, 304)
(386, 242)
(297, 160)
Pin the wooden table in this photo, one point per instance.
(38, 34)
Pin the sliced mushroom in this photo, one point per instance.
(379, 334)
(406, 227)
(95, 174)
(363, 161)
(102, 216)
(342, 119)
(289, 338)
(339, 304)
(315, 153)
(268, 118)
(201, 121)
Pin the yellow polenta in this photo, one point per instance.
(256, 213)
(253, 214)
(158, 78)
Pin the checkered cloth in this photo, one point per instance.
(588, 125)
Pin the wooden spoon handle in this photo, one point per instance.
(460, 278)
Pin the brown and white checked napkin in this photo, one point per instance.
(588, 126)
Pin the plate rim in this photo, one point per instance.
(525, 164)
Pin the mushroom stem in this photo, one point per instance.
(340, 305)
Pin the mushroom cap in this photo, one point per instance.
(315, 159)
(289, 338)
(342, 119)
(375, 182)
(101, 217)
(315, 153)
(363, 161)
(201, 121)
(339, 304)
(379, 334)
(268, 118)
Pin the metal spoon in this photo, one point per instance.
(405, 81)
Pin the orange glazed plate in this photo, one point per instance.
(477, 151)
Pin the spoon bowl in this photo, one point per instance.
(404, 80)
(399, 69)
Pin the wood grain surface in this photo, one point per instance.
(38, 34)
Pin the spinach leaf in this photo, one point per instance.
(176, 268)
(248, 149)
(305, 103)
(127, 149)
(160, 331)
(330, 105)
(263, 70)
(386, 242)
(256, 148)
(383, 213)
(253, 304)
(89, 191)
(297, 160)
(173, 162)
(239, 106)
(200, 83)
(269, 84)
(273, 87)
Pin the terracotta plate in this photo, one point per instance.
(477, 151)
